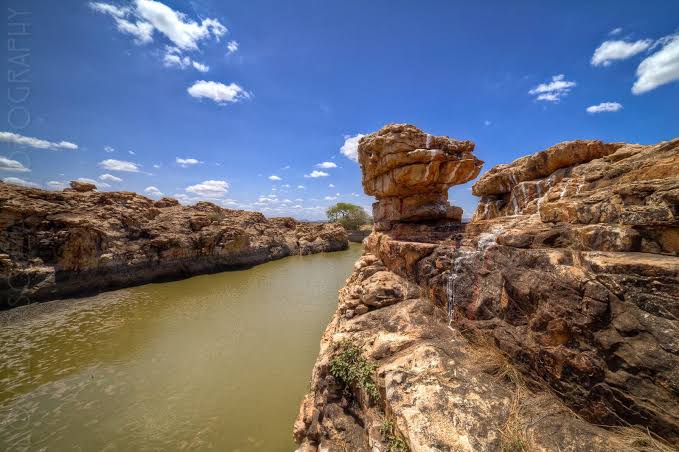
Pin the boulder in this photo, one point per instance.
(82, 187)
(410, 171)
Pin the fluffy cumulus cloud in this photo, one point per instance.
(350, 147)
(145, 17)
(119, 165)
(12, 165)
(185, 163)
(232, 47)
(15, 138)
(153, 191)
(553, 90)
(315, 173)
(109, 149)
(209, 189)
(660, 68)
(326, 165)
(610, 51)
(218, 92)
(604, 107)
(21, 182)
(110, 178)
(274, 178)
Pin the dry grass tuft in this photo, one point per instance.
(639, 440)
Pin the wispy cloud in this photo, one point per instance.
(232, 47)
(315, 173)
(610, 51)
(326, 165)
(110, 178)
(21, 182)
(274, 178)
(119, 165)
(37, 143)
(109, 149)
(186, 162)
(604, 107)
(12, 165)
(554, 90)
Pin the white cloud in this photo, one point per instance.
(316, 173)
(301, 187)
(37, 143)
(131, 152)
(553, 91)
(610, 51)
(331, 185)
(604, 106)
(21, 182)
(185, 163)
(119, 165)
(273, 177)
(209, 189)
(232, 46)
(487, 123)
(153, 191)
(56, 185)
(660, 68)
(326, 165)
(218, 92)
(12, 165)
(350, 147)
(200, 66)
(330, 198)
(149, 16)
(285, 185)
(615, 31)
(156, 165)
(108, 149)
(109, 178)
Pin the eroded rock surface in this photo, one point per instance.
(57, 244)
(574, 283)
(410, 171)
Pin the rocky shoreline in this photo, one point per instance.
(79, 241)
(549, 322)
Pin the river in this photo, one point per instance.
(216, 361)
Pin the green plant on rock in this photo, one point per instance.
(353, 370)
(214, 216)
(393, 441)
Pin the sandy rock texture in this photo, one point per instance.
(410, 171)
(57, 244)
(550, 320)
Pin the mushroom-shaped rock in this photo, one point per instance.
(409, 172)
(82, 187)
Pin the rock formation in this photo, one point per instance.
(560, 297)
(57, 244)
(409, 172)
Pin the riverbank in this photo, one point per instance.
(80, 241)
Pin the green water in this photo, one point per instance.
(212, 362)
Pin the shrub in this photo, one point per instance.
(351, 369)
(393, 441)
(351, 216)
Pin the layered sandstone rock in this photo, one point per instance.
(409, 172)
(577, 288)
(57, 244)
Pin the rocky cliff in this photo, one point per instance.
(550, 322)
(57, 244)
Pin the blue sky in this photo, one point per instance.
(209, 99)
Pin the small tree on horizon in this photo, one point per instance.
(348, 215)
